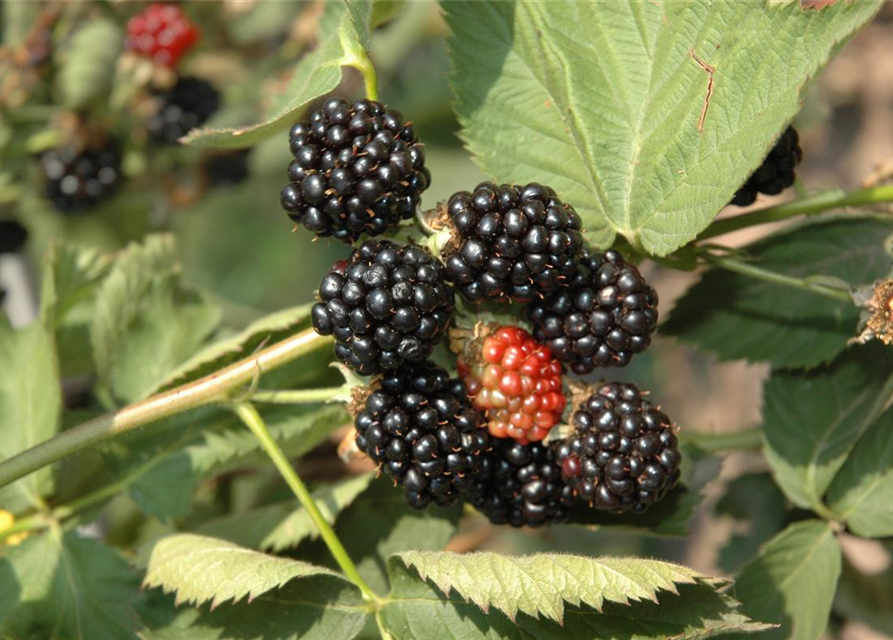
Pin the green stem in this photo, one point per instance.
(301, 396)
(213, 388)
(753, 271)
(811, 205)
(743, 440)
(253, 420)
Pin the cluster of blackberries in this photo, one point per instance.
(357, 169)
(623, 454)
(388, 305)
(776, 173)
(183, 107)
(76, 180)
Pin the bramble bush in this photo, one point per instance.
(461, 341)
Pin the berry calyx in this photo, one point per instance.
(623, 454)
(162, 32)
(776, 173)
(77, 180)
(387, 306)
(419, 426)
(511, 242)
(516, 381)
(357, 169)
(604, 316)
(521, 484)
(186, 105)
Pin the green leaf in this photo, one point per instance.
(312, 608)
(542, 584)
(812, 420)
(739, 317)
(418, 610)
(602, 100)
(71, 588)
(792, 581)
(279, 526)
(866, 598)
(71, 274)
(361, 13)
(88, 63)
(316, 74)
(862, 493)
(201, 569)
(30, 406)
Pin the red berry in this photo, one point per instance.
(517, 382)
(161, 32)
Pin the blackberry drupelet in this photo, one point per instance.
(12, 236)
(419, 425)
(623, 454)
(604, 316)
(511, 242)
(78, 180)
(357, 169)
(522, 485)
(776, 173)
(388, 305)
(186, 105)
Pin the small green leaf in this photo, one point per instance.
(862, 493)
(738, 317)
(645, 116)
(315, 75)
(88, 63)
(72, 588)
(30, 406)
(417, 609)
(792, 581)
(279, 526)
(201, 569)
(542, 584)
(812, 420)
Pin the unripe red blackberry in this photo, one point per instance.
(357, 169)
(183, 107)
(521, 484)
(604, 316)
(388, 305)
(420, 427)
(623, 453)
(776, 173)
(516, 381)
(162, 32)
(511, 242)
(79, 180)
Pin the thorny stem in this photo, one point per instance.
(811, 205)
(743, 440)
(213, 388)
(752, 271)
(253, 420)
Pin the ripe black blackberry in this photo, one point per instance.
(186, 105)
(12, 236)
(419, 425)
(78, 180)
(623, 455)
(358, 169)
(776, 173)
(511, 242)
(227, 168)
(388, 305)
(606, 314)
(521, 484)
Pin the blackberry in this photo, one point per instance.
(186, 105)
(357, 169)
(228, 168)
(521, 485)
(776, 173)
(78, 180)
(511, 242)
(623, 455)
(161, 32)
(420, 427)
(12, 236)
(386, 306)
(606, 314)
